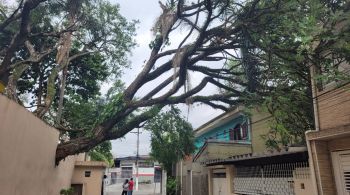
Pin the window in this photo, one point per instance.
(244, 131)
(231, 134)
(117, 163)
(145, 164)
(87, 173)
(239, 132)
(126, 172)
(332, 70)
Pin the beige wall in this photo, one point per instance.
(321, 157)
(225, 150)
(323, 167)
(199, 177)
(259, 126)
(334, 104)
(91, 185)
(27, 154)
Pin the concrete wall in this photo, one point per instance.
(27, 154)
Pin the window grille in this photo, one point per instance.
(274, 179)
(126, 172)
(145, 164)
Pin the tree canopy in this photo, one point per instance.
(52, 49)
(171, 137)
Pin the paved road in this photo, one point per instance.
(144, 189)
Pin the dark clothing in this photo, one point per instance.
(124, 192)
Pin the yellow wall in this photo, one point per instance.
(27, 154)
(224, 150)
(259, 126)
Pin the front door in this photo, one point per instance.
(341, 167)
(219, 182)
(77, 189)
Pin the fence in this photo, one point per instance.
(275, 179)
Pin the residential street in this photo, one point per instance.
(144, 189)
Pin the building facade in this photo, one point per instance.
(329, 143)
(143, 168)
(232, 158)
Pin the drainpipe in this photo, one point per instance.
(181, 177)
(317, 128)
(314, 98)
(311, 162)
(191, 182)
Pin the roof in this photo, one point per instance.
(91, 164)
(141, 157)
(293, 154)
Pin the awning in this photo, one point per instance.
(293, 154)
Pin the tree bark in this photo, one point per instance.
(61, 98)
(18, 39)
(62, 57)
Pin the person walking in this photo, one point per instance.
(125, 187)
(131, 186)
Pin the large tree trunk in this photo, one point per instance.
(18, 39)
(62, 58)
(76, 146)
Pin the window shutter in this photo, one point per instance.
(347, 180)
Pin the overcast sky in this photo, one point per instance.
(146, 11)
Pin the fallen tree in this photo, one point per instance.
(215, 30)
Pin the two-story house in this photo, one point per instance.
(329, 143)
(232, 158)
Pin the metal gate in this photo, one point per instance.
(274, 179)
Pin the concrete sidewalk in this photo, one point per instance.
(144, 189)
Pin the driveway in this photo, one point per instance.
(144, 189)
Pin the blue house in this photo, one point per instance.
(224, 136)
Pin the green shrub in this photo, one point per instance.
(68, 191)
(172, 186)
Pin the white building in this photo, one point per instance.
(142, 168)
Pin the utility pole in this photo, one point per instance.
(137, 158)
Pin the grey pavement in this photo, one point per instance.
(144, 189)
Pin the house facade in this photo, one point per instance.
(87, 178)
(329, 143)
(231, 158)
(143, 168)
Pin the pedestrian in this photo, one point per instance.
(125, 187)
(131, 186)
